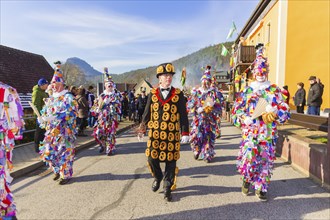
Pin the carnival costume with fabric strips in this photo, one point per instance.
(11, 129)
(165, 117)
(58, 117)
(106, 109)
(214, 85)
(205, 104)
(257, 111)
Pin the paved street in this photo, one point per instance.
(119, 187)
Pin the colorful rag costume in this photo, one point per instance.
(205, 104)
(59, 121)
(106, 109)
(257, 149)
(11, 129)
(214, 85)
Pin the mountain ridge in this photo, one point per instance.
(194, 64)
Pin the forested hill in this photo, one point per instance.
(193, 62)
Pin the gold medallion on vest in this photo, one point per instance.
(164, 128)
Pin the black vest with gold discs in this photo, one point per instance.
(166, 119)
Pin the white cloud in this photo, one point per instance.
(104, 37)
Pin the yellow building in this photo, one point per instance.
(296, 39)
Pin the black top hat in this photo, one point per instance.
(165, 68)
(312, 78)
(259, 45)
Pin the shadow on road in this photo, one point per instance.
(201, 190)
(276, 209)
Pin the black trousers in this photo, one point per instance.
(140, 113)
(300, 109)
(169, 173)
(81, 123)
(39, 135)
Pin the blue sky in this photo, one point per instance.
(122, 35)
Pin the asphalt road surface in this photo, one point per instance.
(119, 187)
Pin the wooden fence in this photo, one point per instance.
(315, 122)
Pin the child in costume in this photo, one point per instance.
(257, 149)
(205, 104)
(59, 119)
(106, 109)
(11, 129)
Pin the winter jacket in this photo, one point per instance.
(314, 95)
(82, 106)
(142, 102)
(38, 96)
(300, 97)
(90, 98)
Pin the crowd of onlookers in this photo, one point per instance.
(314, 96)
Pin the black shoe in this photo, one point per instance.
(261, 195)
(245, 188)
(56, 176)
(167, 194)
(101, 149)
(196, 156)
(155, 185)
(63, 181)
(13, 217)
(111, 153)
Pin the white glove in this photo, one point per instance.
(48, 118)
(40, 120)
(140, 137)
(185, 139)
(248, 121)
(270, 108)
(200, 109)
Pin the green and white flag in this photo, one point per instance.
(224, 51)
(231, 31)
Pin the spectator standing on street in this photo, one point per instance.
(11, 129)
(314, 98)
(38, 99)
(300, 98)
(166, 117)
(131, 104)
(124, 105)
(73, 91)
(318, 80)
(141, 104)
(131, 95)
(59, 119)
(90, 98)
(132, 110)
(82, 111)
(285, 91)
